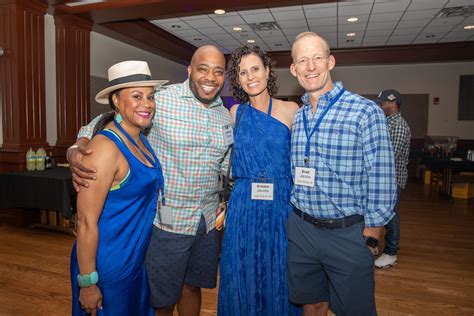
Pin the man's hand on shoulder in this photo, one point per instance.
(81, 173)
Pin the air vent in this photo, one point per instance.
(264, 26)
(456, 11)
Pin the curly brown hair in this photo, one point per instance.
(233, 72)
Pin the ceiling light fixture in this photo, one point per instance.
(83, 2)
(469, 27)
(237, 29)
(250, 41)
(353, 19)
(219, 11)
(351, 34)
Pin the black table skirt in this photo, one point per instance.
(48, 189)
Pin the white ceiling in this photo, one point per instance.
(381, 23)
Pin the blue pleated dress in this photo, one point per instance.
(253, 261)
(125, 227)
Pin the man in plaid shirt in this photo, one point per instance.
(390, 101)
(190, 136)
(344, 188)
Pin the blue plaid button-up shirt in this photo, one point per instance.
(352, 155)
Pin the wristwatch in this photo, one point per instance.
(371, 241)
(86, 280)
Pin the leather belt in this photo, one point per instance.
(329, 223)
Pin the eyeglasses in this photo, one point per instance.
(317, 59)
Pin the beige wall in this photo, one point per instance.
(436, 79)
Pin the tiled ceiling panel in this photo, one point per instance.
(380, 23)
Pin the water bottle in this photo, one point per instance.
(40, 158)
(30, 160)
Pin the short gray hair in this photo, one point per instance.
(306, 34)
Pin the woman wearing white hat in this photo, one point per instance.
(115, 213)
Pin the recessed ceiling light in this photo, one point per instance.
(469, 27)
(219, 11)
(197, 39)
(353, 19)
(237, 29)
(351, 34)
(250, 41)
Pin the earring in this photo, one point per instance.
(118, 118)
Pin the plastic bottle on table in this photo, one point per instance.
(49, 161)
(40, 158)
(30, 160)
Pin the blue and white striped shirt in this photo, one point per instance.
(352, 155)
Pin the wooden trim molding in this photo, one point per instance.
(423, 53)
(22, 85)
(72, 78)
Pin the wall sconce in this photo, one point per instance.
(1, 51)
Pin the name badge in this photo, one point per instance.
(228, 133)
(166, 215)
(305, 176)
(262, 191)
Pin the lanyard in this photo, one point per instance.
(153, 163)
(318, 122)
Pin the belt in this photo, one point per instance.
(329, 223)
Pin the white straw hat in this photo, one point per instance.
(130, 73)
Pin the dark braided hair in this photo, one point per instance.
(233, 72)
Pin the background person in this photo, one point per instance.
(400, 135)
(252, 271)
(115, 213)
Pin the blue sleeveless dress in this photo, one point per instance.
(125, 227)
(253, 261)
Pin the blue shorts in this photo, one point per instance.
(330, 265)
(176, 259)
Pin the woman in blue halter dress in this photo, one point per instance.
(116, 212)
(253, 261)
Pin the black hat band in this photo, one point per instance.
(131, 78)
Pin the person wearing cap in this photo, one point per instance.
(344, 188)
(191, 134)
(115, 213)
(390, 101)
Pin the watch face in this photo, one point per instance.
(371, 242)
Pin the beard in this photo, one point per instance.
(204, 100)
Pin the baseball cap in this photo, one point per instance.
(388, 96)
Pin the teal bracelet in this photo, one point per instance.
(86, 280)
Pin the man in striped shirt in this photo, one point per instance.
(390, 101)
(190, 136)
(344, 188)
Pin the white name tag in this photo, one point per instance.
(305, 176)
(228, 133)
(262, 191)
(166, 215)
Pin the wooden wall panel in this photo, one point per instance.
(72, 78)
(22, 80)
